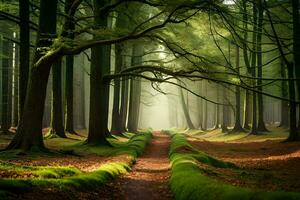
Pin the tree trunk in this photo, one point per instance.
(57, 126)
(284, 104)
(69, 103)
(29, 132)
(124, 104)
(261, 123)
(225, 113)
(100, 62)
(294, 134)
(296, 47)
(15, 119)
(217, 110)
(116, 123)
(186, 111)
(237, 125)
(24, 52)
(5, 121)
(135, 91)
(253, 70)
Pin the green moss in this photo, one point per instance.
(65, 177)
(188, 182)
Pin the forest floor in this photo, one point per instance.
(150, 175)
(265, 161)
(148, 178)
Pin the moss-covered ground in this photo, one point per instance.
(22, 171)
(193, 170)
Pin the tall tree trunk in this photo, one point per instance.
(261, 124)
(253, 70)
(24, 52)
(5, 121)
(217, 110)
(15, 119)
(296, 46)
(247, 102)
(57, 126)
(116, 118)
(69, 113)
(284, 104)
(135, 91)
(237, 125)
(100, 61)
(204, 107)
(29, 132)
(293, 132)
(185, 110)
(294, 135)
(225, 113)
(124, 104)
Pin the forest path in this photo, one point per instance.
(149, 178)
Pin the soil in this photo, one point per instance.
(271, 164)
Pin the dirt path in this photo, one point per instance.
(149, 177)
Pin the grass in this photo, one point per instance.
(188, 181)
(72, 178)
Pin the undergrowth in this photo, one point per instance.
(188, 181)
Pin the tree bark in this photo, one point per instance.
(185, 110)
(294, 134)
(24, 52)
(5, 121)
(116, 121)
(237, 125)
(29, 132)
(69, 103)
(100, 63)
(261, 123)
(135, 91)
(284, 104)
(253, 70)
(57, 126)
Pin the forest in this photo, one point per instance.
(150, 99)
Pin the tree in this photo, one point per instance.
(100, 63)
(24, 52)
(29, 132)
(69, 113)
(261, 124)
(135, 91)
(237, 125)
(57, 127)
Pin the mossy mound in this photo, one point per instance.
(188, 182)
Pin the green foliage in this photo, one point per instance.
(188, 182)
